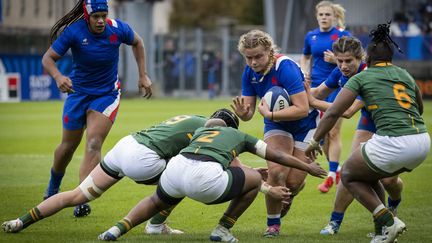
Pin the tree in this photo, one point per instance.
(205, 13)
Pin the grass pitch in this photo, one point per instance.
(30, 131)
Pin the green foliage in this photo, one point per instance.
(31, 131)
(205, 14)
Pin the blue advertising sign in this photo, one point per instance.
(35, 83)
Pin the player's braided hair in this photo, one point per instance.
(75, 14)
(381, 46)
(348, 44)
(230, 119)
(255, 38)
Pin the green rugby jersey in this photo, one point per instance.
(221, 143)
(389, 93)
(170, 136)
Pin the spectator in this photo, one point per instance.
(402, 26)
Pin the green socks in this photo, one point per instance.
(31, 217)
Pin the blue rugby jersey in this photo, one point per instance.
(315, 43)
(285, 73)
(95, 56)
(337, 80)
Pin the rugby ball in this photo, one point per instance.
(277, 98)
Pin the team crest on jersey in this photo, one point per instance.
(113, 38)
(334, 37)
(84, 42)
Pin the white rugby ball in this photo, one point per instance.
(277, 98)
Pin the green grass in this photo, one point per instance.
(29, 133)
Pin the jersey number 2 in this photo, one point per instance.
(209, 137)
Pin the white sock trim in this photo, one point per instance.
(273, 216)
(379, 208)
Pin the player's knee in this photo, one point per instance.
(277, 177)
(158, 204)
(345, 177)
(67, 148)
(89, 189)
(295, 186)
(94, 144)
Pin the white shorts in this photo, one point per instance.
(302, 142)
(393, 155)
(203, 181)
(134, 160)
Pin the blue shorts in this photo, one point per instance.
(332, 95)
(301, 134)
(366, 123)
(77, 104)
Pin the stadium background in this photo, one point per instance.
(29, 131)
(187, 55)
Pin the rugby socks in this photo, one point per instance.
(227, 221)
(160, 217)
(382, 217)
(123, 225)
(337, 217)
(31, 217)
(273, 219)
(54, 183)
(333, 166)
(393, 203)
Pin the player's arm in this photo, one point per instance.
(277, 192)
(298, 109)
(138, 51)
(419, 100)
(316, 96)
(305, 66)
(49, 60)
(356, 106)
(277, 156)
(343, 101)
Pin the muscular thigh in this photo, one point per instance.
(281, 142)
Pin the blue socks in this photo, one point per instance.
(333, 166)
(54, 183)
(337, 217)
(273, 219)
(393, 203)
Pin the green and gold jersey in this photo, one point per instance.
(221, 143)
(389, 93)
(170, 136)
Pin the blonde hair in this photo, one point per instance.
(339, 15)
(338, 11)
(349, 44)
(255, 38)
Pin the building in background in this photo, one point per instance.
(184, 60)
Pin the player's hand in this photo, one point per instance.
(263, 172)
(64, 83)
(279, 193)
(313, 149)
(264, 109)
(311, 98)
(144, 87)
(329, 56)
(316, 170)
(239, 107)
(307, 77)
